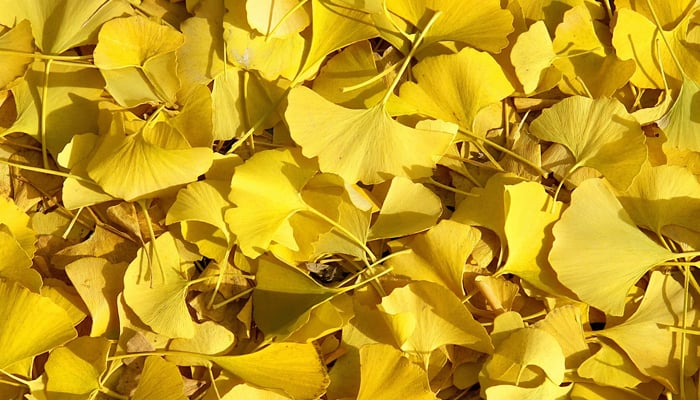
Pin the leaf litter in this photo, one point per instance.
(314, 199)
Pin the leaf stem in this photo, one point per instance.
(284, 17)
(509, 152)
(42, 114)
(451, 189)
(409, 56)
(371, 80)
(663, 37)
(46, 171)
(39, 56)
(154, 248)
(232, 298)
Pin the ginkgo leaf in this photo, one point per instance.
(137, 58)
(546, 390)
(408, 208)
(284, 296)
(679, 123)
(209, 338)
(596, 237)
(160, 379)
(291, 368)
(446, 87)
(585, 56)
(203, 226)
(201, 56)
(143, 164)
(265, 190)
(438, 255)
(18, 225)
(386, 374)
(75, 369)
(362, 145)
(649, 51)
(15, 264)
(512, 361)
(264, 16)
(599, 133)
(353, 65)
(17, 39)
(424, 316)
(32, 324)
(481, 24)
(566, 325)
(69, 106)
(661, 196)
(326, 318)
(64, 24)
(590, 391)
(661, 307)
(529, 218)
(99, 282)
(488, 207)
(155, 288)
(531, 55)
(334, 27)
(612, 367)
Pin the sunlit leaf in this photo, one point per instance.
(265, 191)
(17, 39)
(532, 55)
(137, 59)
(636, 37)
(264, 16)
(679, 123)
(446, 87)
(566, 325)
(612, 367)
(70, 105)
(140, 165)
(32, 324)
(585, 56)
(155, 286)
(599, 133)
(661, 196)
(596, 237)
(407, 208)
(99, 282)
(294, 369)
(661, 307)
(75, 369)
(438, 255)
(16, 264)
(209, 338)
(424, 316)
(386, 374)
(481, 24)
(159, 380)
(362, 145)
(59, 25)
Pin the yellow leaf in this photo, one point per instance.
(32, 324)
(529, 217)
(481, 24)
(661, 196)
(661, 307)
(16, 264)
(159, 380)
(439, 255)
(99, 282)
(585, 56)
(566, 326)
(60, 25)
(290, 368)
(610, 366)
(143, 164)
(75, 369)
(408, 208)
(425, 316)
(362, 145)
(387, 375)
(155, 286)
(649, 51)
(679, 123)
(532, 55)
(596, 237)
(455, 87)
(17, 39)
(137, 59)
(265, 190)
(210, 338)
(599, 133)
(266, 15)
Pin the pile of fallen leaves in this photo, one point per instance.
(349, 199)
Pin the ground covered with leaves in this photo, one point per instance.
(349, 199)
